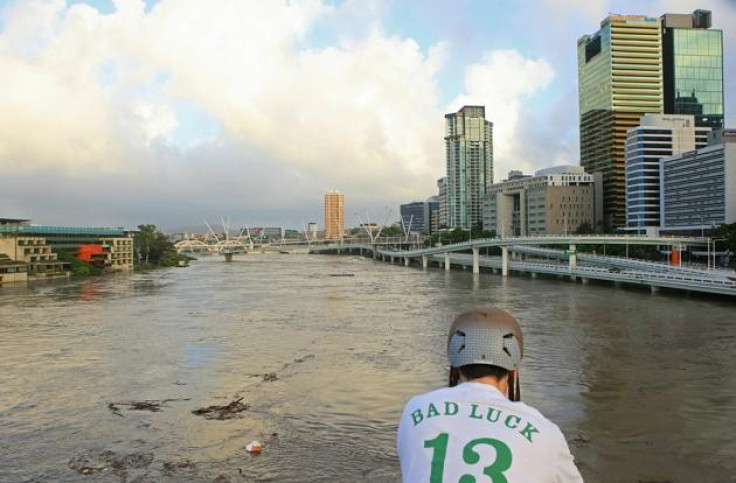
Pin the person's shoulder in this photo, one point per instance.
(542, 420)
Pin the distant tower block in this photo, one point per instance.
(312, 230)
(334, 214)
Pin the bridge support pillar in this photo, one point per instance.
(406, 261)
(476, 260)
(424, 261)
(573, 256)
(375, 252)
(228, 257)
(505, 261)
(447, 260)
(393, 260)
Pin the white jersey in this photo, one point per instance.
(472, 433)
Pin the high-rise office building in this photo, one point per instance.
(415, 216)
(699, 187)
(433, 214)
(635, 65)
(334, 214)
(469, 151)
(620, 79)
(442, 199)
(554, 201)
(693, 67)
(658, 136)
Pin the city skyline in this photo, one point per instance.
(121, 114)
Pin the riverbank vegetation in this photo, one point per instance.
(153, 249)
(77, 267)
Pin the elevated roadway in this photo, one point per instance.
(576, 265)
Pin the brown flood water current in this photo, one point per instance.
(643, 385)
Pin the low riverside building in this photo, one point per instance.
(699, 187)
(12, 272)
(39, 245)
(120, 250)
(554, 201)
(33, 251)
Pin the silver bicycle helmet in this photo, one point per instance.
(485, 336)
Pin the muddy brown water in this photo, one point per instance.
(319, 367)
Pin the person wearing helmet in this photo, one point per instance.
(476, 430)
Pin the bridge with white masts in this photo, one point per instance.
(225, 244)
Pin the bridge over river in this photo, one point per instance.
(532, 255)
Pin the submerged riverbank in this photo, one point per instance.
(167, 375)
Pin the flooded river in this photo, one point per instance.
(99, 378)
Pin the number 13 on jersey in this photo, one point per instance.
(495, 470)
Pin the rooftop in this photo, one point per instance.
(14, 221)
(61, 230)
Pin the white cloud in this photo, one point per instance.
(361, 115)
(84, 93)
(504, 82)
(155, 121)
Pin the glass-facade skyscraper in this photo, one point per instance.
(620, 79)
(469, 154)
(693, 67)
(636, 65)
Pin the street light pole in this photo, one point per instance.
(707, 259)
(714, 250)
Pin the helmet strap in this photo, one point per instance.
(454, 376)
(514, 387)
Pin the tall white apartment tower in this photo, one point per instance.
(469, 151)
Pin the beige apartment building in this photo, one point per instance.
(555, 201)
(34, 251)
(38, 245)
(334, 214)
(12, 272)
(120, 251)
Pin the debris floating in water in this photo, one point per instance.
(254, 447)
(229, 411)
(153, 406)
(270, 377)
(342, 275)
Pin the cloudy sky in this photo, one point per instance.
(120, 112)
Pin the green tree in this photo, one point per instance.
(154, 248)
(728, 234)
(585, 228)
(79, 267)
(393, 230)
